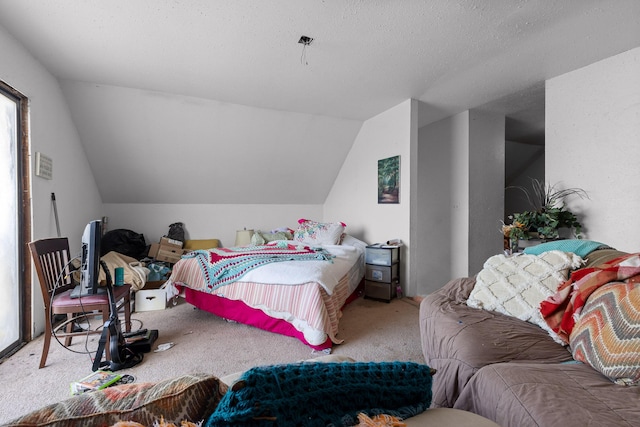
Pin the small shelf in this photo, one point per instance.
(382, 272)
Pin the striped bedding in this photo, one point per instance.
(310, 307)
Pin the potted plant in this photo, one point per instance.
(548, 213)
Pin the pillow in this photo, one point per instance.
(602, 256)
(193, 245)
(606, 336)
(516, 285)
(349, 240)
(315, 233)
(190, 397)
(319, 394)
(582, 248)
(261, 237)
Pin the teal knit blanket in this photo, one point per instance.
(324, 394)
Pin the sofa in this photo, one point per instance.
(508, 364)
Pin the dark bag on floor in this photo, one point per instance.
(123, 241)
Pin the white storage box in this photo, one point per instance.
(151, 299)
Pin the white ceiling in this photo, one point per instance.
(366, 57)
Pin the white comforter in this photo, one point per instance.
(326, 273)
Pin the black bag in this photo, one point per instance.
(176, 231)
(123, 241)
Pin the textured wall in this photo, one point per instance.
(593, 142)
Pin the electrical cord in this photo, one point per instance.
(58, 284)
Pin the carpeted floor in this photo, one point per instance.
(202, 342)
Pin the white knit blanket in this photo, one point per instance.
(516, 285)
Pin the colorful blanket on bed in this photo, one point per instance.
(561, 310)
(221, 266)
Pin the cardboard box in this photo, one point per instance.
(150, 299)
(171, 255)
(167, 250)
(165, 241)
(153, 250)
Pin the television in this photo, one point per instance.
(90, 262)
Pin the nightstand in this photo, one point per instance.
(382, 271)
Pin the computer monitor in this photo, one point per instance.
(90, 261)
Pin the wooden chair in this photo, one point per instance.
(52, 262)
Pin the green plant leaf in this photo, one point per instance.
(549, 212)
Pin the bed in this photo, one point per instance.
(297, 298)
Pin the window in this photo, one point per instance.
(15, 213)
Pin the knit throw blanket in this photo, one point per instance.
(561, 310)
(324, 394)
(221, 266)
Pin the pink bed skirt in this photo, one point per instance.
(240, 312)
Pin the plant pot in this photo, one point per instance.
(566, 233)
(529, 242)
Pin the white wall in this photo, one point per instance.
(204, 221)
(52, 133)
(460, 196)
(486, 187)
(443, 177)
(162, 148)
(354, 196)
(593, 142)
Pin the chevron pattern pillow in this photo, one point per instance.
(607, 334)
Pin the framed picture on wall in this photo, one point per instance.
(389, 180)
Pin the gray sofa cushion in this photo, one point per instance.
(548, 395)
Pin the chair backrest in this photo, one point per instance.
(51, 258)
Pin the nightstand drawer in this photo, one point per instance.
(376, 290)
(382, 255)
(379, 273)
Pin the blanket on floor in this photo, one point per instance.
(561, 310)
(324, 394)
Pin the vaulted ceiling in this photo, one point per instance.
(220, 91)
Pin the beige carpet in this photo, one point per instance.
(371, 330)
